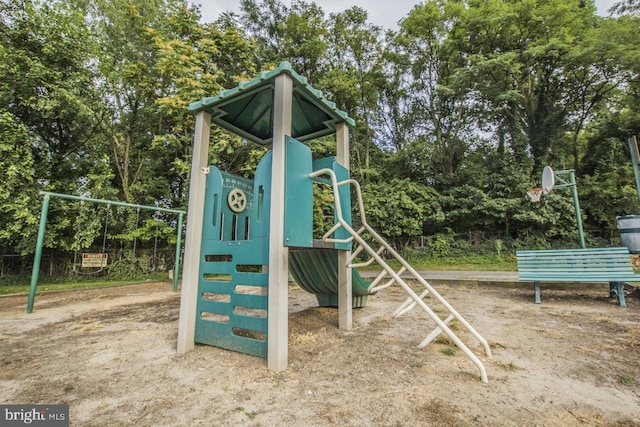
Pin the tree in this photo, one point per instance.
(399, 208)
(622, 7)
(263, 22)
(425, 62)
(155, 59)
(102, 88)
(520, 54)
(194, 62)
(47, 92)
(592, 76)
(18, 214)
(353, 78)
(297, 34)
(127, 81)
(339, 55)
(45, 85)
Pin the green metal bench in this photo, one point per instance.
(611, 265)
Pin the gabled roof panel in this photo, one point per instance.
(247, 109)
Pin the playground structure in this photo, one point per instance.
(35, 273)
(244, 237)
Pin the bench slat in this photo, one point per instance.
(577, 278)
(614, 249)
(576, 265)
(577, 268)
(571, 256)
(579, 271)
(560, 258)
(575, 262)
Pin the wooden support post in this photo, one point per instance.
(278, 322)
(345, 290)
(193, 239)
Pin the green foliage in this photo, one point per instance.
(398, 209)
(45, 83)
(193, 62)
(323, 210)
(18, 215)
(611, 193)
(440, 244)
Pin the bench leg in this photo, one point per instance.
(536, 291)
(616, 289)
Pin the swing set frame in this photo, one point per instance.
(43, 225)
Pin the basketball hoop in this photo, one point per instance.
(535, 194)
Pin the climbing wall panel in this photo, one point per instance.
(233, 283)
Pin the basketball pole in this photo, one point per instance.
(576, 203)
(635, 159)
(574, 190)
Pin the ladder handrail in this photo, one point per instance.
(441, 325)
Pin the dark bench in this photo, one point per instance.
(611, 265)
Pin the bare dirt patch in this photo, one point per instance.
(110, 354)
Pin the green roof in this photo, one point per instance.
(247, 109)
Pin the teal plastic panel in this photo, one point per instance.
(217, 322)
(221, 221)
(298, 203)
(212, 208)
(262, 198)
(232, 286)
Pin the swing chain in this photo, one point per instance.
(155, 242)
(104, 241)
(76, 244)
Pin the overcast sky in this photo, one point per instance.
(384, 13)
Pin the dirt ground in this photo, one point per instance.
(110, 354)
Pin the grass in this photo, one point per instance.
(473, 262)
(465, 264)
(465, 260)
(451, 264)
(21, 284)
(449, 351)
(625, 379)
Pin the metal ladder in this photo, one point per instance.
(396, 276)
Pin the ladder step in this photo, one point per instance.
(369, 261)
(408, 305)
(434, 334)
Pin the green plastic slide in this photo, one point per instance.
(316, 271)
